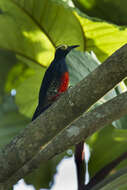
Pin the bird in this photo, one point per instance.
(55, 81)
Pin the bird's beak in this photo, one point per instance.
(72, 47)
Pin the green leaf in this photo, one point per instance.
(120, 183)
(33, 36)
(25, 38)
(105, 146)
(80, 64)
(102, 38)
(27, 93)
(17, 74)
(57, 22)
(103, 9)
(122, 122)
(11, 121)
(7, 60)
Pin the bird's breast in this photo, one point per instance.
(64, 82)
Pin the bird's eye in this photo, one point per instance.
(62, 47)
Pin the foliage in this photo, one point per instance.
(30, 31)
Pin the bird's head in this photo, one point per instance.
(63, 50)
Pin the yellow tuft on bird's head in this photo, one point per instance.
(62, 47)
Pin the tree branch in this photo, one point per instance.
(72, 104)
(79, 130)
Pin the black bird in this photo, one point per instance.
(55, 82)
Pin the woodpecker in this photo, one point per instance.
(55, 81)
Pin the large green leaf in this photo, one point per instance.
(101, 37)
(103, 9)
(56, 21)
(25, 37)
(34, 29)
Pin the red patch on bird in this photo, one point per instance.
(63, 85)
(64, 82)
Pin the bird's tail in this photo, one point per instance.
(39, 110)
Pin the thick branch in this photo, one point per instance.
(72, 104)
(86, 125)
(79, 130)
